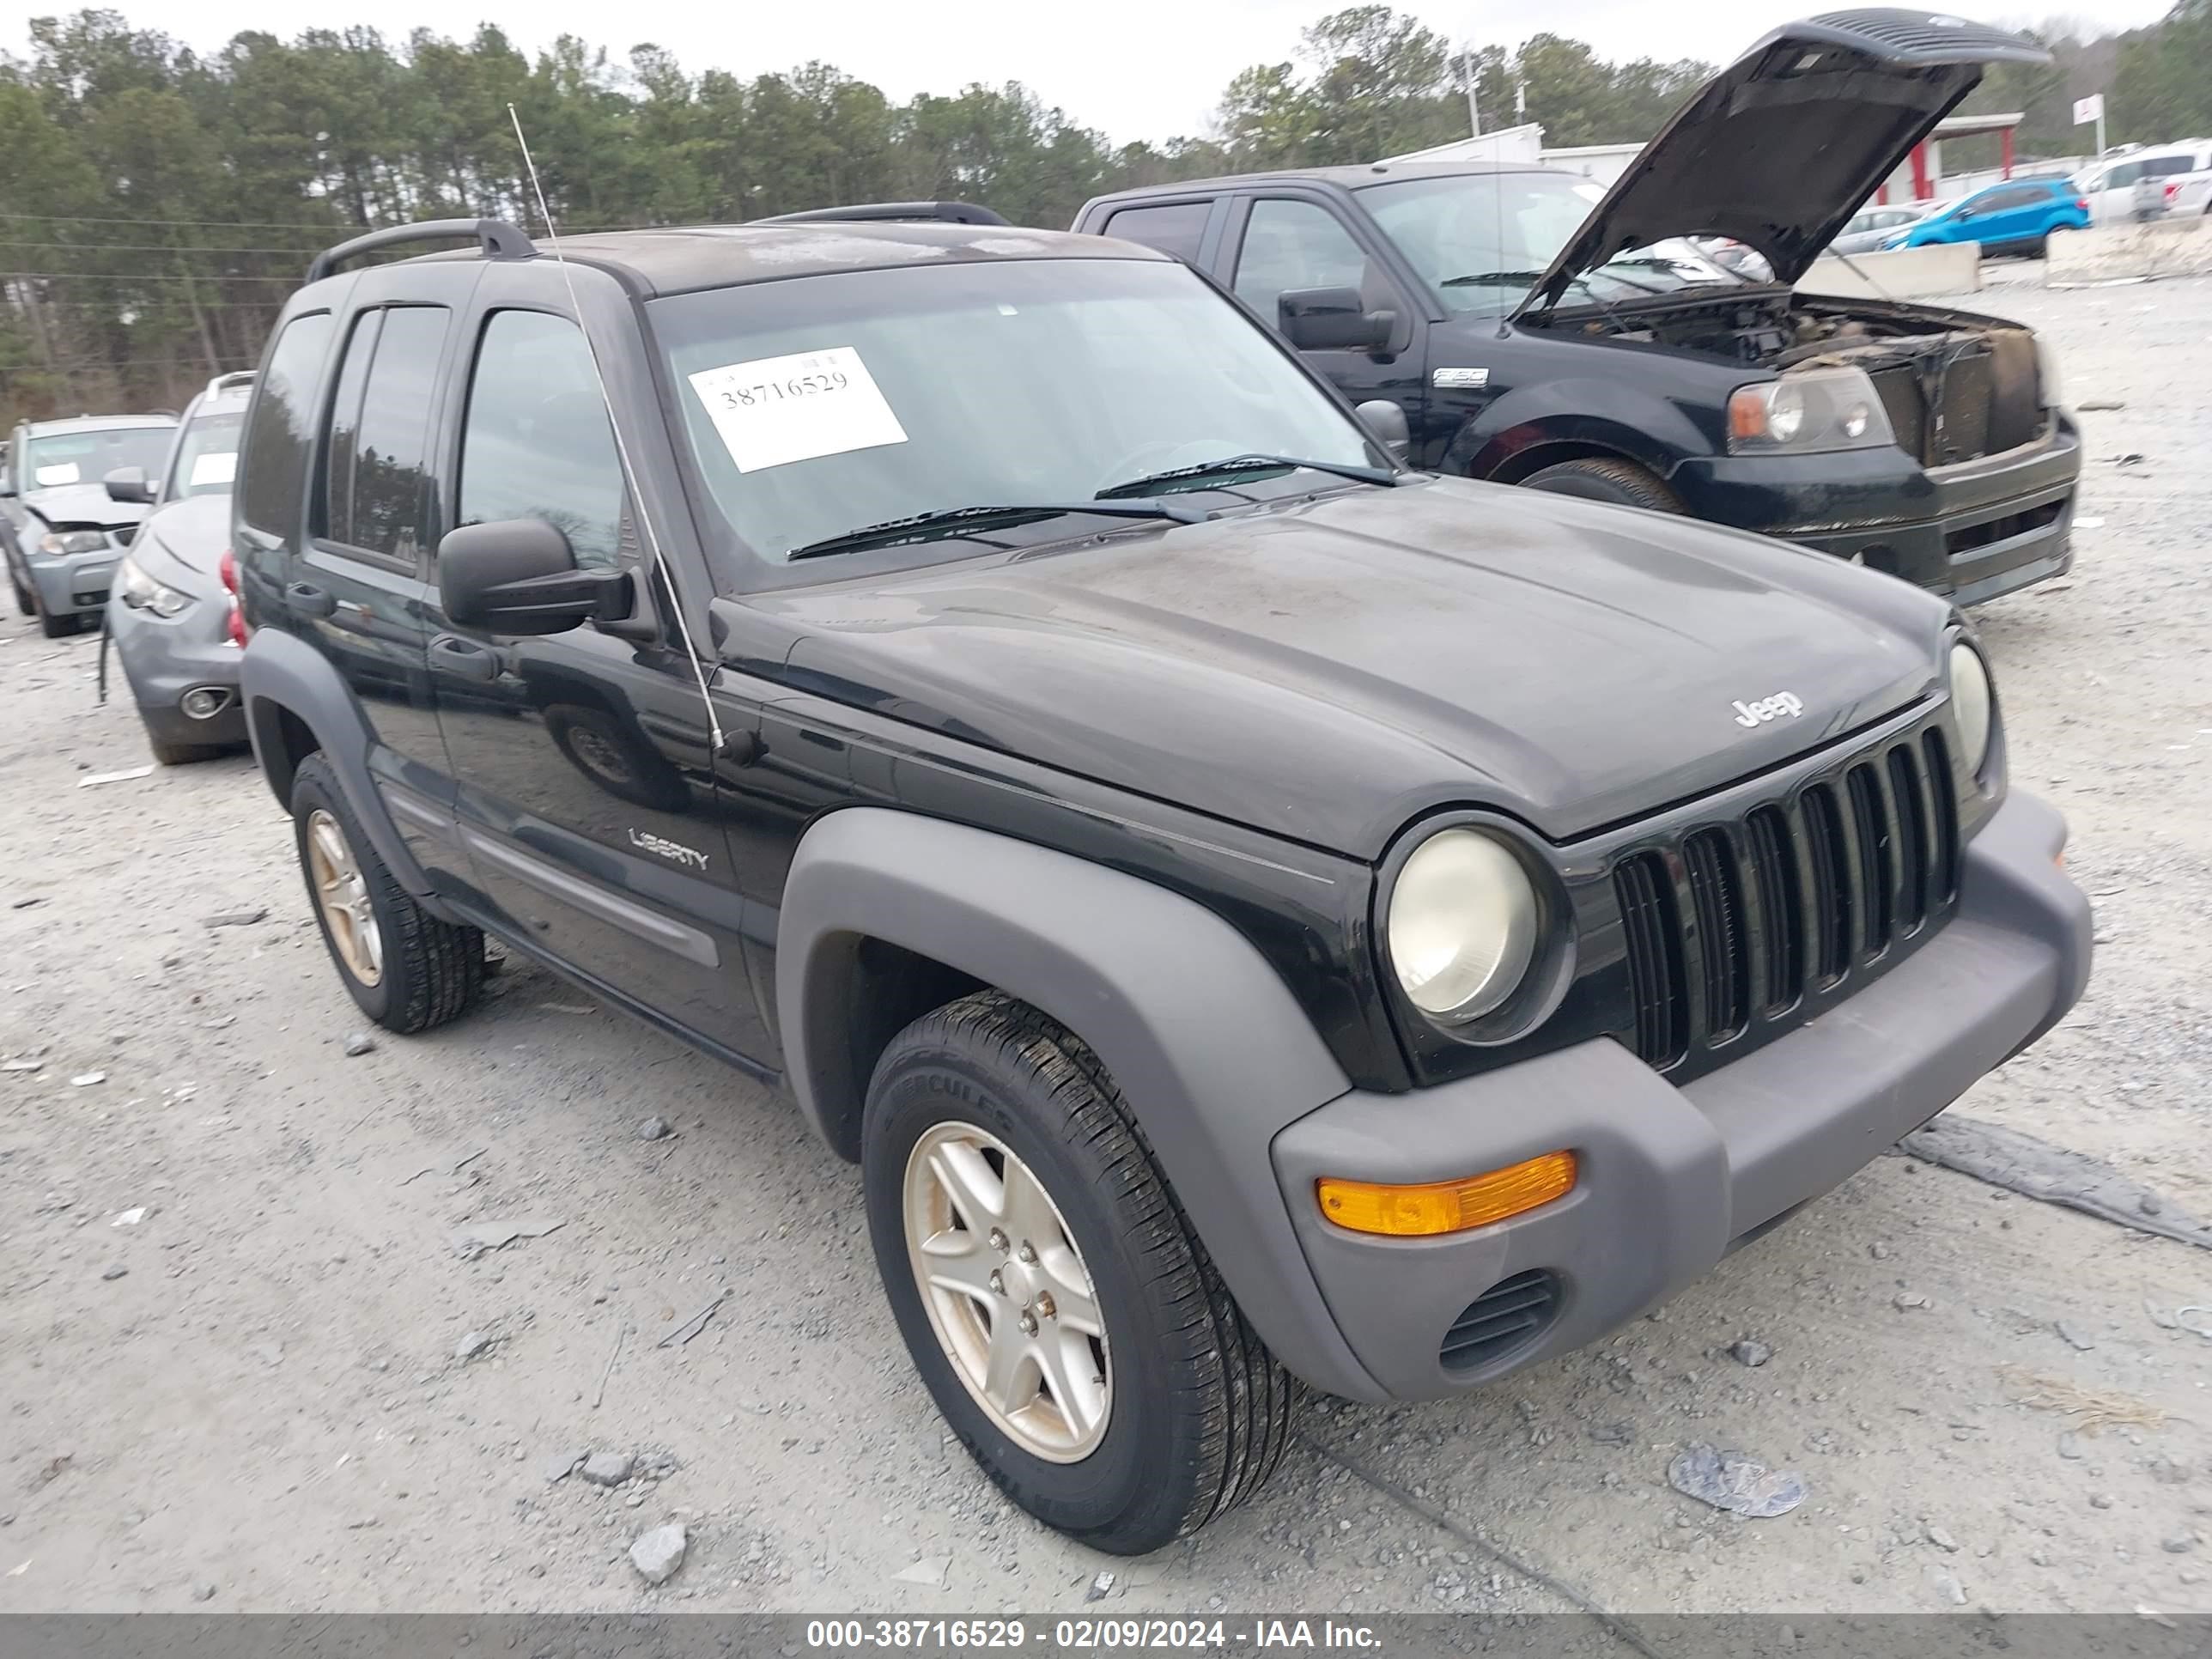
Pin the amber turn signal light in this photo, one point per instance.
(1446, 1206)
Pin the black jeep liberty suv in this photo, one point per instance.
(1253, 912)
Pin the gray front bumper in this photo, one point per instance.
(163, 657)
(73, 584)
(1670, 1179)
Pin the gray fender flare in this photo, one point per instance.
(283, 674)
(1210, 1049)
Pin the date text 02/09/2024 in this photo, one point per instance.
(1082, 1634)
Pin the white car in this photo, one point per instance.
(1865, 230)
(2192, 193)
(2144, 184)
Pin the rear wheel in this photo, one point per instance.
(1604, 478)
(1061, 1311)
(408, 969)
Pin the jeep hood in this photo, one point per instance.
(1330, 670)
(1781, 148)
(82, 506)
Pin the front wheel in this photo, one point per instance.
(1061, 1311)
(1604, 478)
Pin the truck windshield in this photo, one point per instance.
(820, 407)
(1482, 240)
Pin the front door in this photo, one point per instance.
(1283, 243)
(586, 796)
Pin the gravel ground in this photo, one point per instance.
(255, 1396)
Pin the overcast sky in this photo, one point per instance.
(1136, 69)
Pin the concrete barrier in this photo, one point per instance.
(1902, 273)
(2164, 247)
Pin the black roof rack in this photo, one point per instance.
(495, 238)
(951, 213)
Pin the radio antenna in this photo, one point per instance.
(660, 564)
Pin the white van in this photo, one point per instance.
(2124, 189)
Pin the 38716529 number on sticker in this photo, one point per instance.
(775, 410)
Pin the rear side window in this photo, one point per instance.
(273, 465)
(1175, 228)
(537, 444)
(372, 483)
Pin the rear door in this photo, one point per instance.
(586, 796)
(359, 589)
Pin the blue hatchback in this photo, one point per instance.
(2013, 217)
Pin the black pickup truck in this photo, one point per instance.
(1537, 330)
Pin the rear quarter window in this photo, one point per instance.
(274, 460)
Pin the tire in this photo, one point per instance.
(1602, 479)
(182, 754)
(26, 606)
(1196, 1412)
(426, 971)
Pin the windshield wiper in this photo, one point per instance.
(1493, 279)
(1234, 464)
(955, 520)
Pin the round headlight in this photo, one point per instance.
(1785, 413)
(1462, 924)
(1971, 702)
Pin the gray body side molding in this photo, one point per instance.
(1207, 1045)
(281, 672)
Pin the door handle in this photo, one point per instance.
(309, 600)
(464, 658)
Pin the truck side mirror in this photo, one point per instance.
(1331, 319)
(129, 483)
(519, 576)
(1386, 423)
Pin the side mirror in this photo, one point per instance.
(129, 483)
(519, 576)
(1331, 319)
(1386, 421)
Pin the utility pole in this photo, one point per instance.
(1474, 117)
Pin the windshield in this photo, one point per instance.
(1481, 241)
(206, 458)
(86, 456)
(824, 405)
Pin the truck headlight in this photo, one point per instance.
(1805, 412)
(73, 541)
(1462, 924)
(2049, 387)
(1972, 705)
(142, 592)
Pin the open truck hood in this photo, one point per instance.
(1783, 146)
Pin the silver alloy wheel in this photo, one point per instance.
(342, 892)
(1008, 1294)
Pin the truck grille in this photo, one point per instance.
(1729, 927)
(1989, 399)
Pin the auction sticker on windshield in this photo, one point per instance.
(775, 410)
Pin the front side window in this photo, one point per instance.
(372, 483)
(825, 405)
(1296, 245)
(536, 443)
(86, 456)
